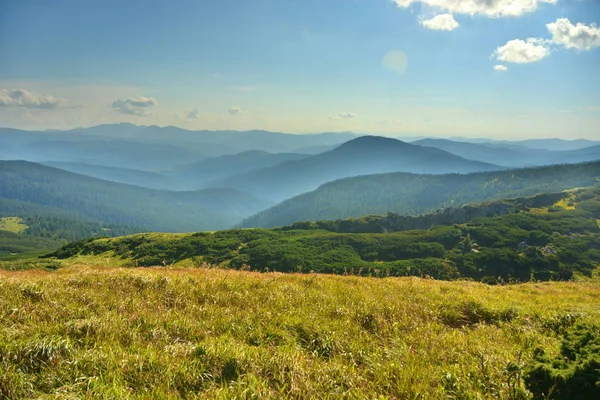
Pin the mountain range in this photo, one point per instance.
(171, 179)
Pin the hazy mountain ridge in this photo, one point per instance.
(548, 144)
(513, 156)
(204, 143)
(362, 156)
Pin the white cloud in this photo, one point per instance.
(580, 36)
(442, 22)
(23, 98)
(233, 110)
(522, 51)
(489, 8)
(139, 105)
(192, 113)
(260, 109)
(500, 67)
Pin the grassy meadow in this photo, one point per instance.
(12, 224)
(87, 330)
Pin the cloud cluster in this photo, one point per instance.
(139, 105)
(488, 8)
(564, 34)
(580, 36)
(342, 115)
(441, 22)
(23, 98)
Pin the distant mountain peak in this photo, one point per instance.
(366, 142)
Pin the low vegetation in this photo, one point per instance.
(98, 332)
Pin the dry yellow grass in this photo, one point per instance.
(93, 331)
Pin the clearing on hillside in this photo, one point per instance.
(12, 224)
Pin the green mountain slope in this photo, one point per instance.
(404, 193)
(27, 186)
(544, 238)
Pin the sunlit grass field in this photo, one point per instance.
(94, 331)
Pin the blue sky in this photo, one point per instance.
(500, 68)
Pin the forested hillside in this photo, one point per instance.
(545, 238)
(25, 187)
(404, 193)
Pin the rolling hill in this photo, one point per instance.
(361, 156)
(405, 193)
(24, 187)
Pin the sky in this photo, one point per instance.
(502, 69)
